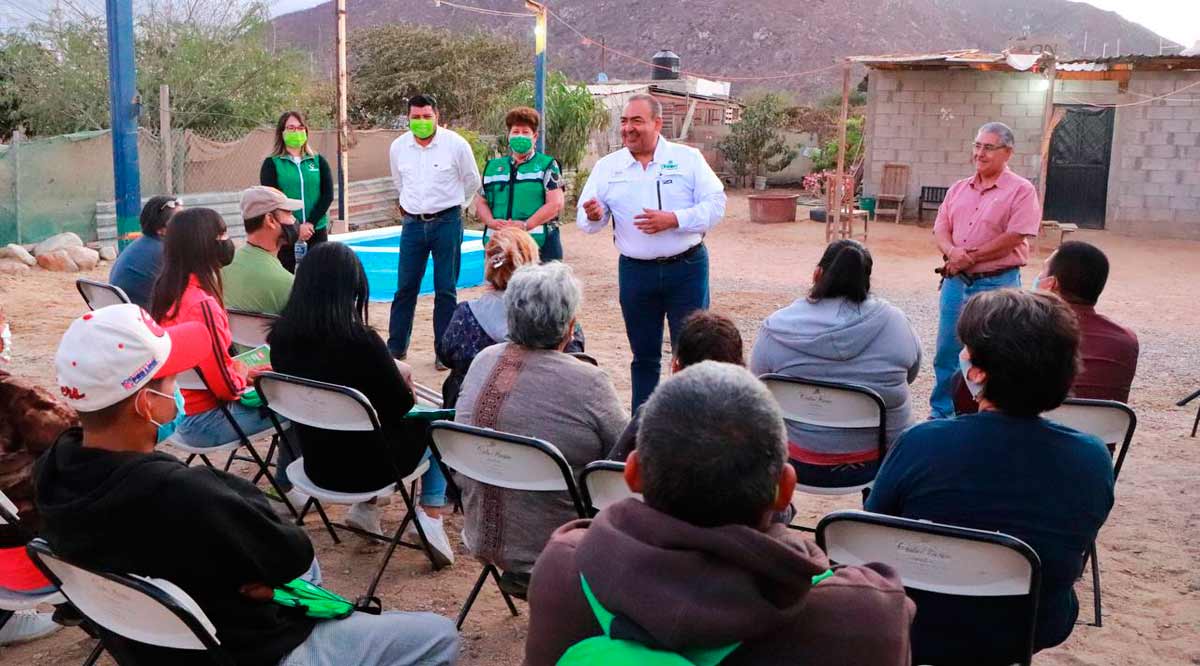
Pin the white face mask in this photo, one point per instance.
(6, 343)
(964, 365)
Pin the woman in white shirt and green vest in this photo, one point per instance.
(300, 173)
(523, 189)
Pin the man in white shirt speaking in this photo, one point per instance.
(660, 199)
(436, 175)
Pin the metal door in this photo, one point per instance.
(1077, 175)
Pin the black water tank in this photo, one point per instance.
(666, 66)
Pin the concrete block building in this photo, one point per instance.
(1122, 151)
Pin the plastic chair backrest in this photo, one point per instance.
(828, 404)
(604, 484)
(100, 294)
(191, 380)
(1111, 421)
(9, 513)
(504, 460)
(147, 610)
(250, 329)
(316, 404)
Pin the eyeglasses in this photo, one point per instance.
(987, 147)
(173, 203)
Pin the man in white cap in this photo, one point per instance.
(255, 281)
(110, 502)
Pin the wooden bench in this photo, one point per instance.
(930, 195)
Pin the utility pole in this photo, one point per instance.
(1050, 69)
(124, 106)
(839, 188)
(603, 57)
(1085, 43)
(164, 139)
(539, 67)
(343, 125)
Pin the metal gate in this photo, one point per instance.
(1077, 175)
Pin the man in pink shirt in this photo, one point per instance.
(981, 230)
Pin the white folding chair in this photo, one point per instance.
(194, 380)
(1113, 423)
(940, 559)
(250, 329)
(830, 405)
(100, 294)
(15, 600)
(603, 484)
(506, 461)
(146, 610)
(340, 409)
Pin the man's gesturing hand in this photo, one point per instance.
(594, 209)
(652, 221)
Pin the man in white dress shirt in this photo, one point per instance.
(435, 174)
(660, 199)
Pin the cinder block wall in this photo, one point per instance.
(928, 121)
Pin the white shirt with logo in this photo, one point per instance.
(678, 174)
(432, 178)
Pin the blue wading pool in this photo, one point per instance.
(379, 251)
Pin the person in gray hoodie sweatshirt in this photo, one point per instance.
(839, 332)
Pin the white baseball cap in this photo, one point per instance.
(108, 355)
(260, 200)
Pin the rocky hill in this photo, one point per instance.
(747, 39)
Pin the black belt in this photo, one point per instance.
(988, 274)
(671, 259)
(429, 217)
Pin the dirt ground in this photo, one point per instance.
(1148, 549)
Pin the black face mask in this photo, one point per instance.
(225, 252)
(289, 234)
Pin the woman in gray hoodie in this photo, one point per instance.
(839, 332)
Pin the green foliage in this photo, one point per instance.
(481, 147)
(468, 74)
(571, 115)
(834, 100)
(212, 54)
(755, 145)
(827, 159)
(574, 187)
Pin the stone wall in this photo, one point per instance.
(928, 121)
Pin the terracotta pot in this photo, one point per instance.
(769, 208)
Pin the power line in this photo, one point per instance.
(482, 10)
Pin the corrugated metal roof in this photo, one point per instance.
(1025, 62)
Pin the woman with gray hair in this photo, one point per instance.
(529, 386)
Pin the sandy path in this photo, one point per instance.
(1148, 549)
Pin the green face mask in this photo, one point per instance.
(520, 144)
(295, 138)
(422, 128)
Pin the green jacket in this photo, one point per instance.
(310, 181)
(516, 191)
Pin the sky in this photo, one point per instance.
(1177, 20)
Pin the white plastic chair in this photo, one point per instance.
(146, 610)
(100, 294)
(250, 329)
(341, 409)
(940, 559)
(603, 484)
(506, 461)
(194, 380)
(1113, 423)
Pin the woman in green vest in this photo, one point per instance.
(523, 189)
(300, 173)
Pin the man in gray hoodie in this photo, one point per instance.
(839, 332)
(699, 565)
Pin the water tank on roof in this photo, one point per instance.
(666, 66)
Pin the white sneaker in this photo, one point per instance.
(365, 517)
(298, 500)
(25, 626)
(435, 532)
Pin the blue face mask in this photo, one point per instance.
(964, 366)
(1036, 280)
(165, 430)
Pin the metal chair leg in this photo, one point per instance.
(507, 599)
(412, 512)
(1096, 584)
(95, 654)
(1196, 423)
(188, 462)
(462, 614)
(325, 519)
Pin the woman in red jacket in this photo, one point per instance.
(189, 288)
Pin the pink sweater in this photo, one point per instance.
(222, 373)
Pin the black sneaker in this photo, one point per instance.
(438, 365)
(401, 356)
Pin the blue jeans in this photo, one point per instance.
(955, 294)
(433, 483)
(649, 291)
(441, 237)
(552, 246)
(211, 428)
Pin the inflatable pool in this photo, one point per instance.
(379, 251)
